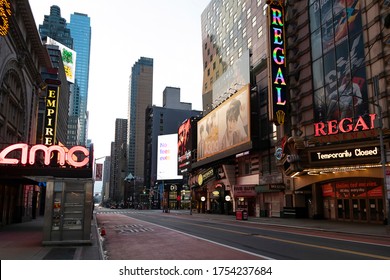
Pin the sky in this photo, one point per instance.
(169, 31)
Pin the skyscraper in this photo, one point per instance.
(77, 36)
(140, 97)
(118, 162)
(80, 27)
(233, 36)
(54, 26)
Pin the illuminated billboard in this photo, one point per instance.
(226, 127)
(68, 59)
(185, 145)
(277, 63)
(339, 72)
(51, 114)
(167, 157)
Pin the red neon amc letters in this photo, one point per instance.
(344, 126)
(65, 155)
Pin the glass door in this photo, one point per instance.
(376, 209)
(343, 209)
(359, 209)
(363, 209)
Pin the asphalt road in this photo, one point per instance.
(273, 242)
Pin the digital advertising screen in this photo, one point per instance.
(167, 157)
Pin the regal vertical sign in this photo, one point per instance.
(49, 133)
(277, 62)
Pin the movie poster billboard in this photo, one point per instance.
(186, 145)
(226, 127)
(339, 77)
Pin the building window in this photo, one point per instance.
(244, 166)
(244, 33)
(265, 10)
(254, 21)
(260, 31)
(249, 43)
(248, 13)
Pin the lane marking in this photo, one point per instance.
(277, 239)
(297, 243)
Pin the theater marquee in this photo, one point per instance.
(22, 153)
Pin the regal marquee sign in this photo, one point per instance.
(277, 62)
(77, 156)
(344, 125)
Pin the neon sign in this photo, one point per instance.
(277, 62)
(344, 126)
(65, 156)
(53, 93)
(5, 14)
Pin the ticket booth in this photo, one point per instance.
(68, 211)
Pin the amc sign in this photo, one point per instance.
(77, 156)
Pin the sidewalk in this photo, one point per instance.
(23, 241)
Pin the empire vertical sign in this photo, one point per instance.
(49, 132)
(277, 62)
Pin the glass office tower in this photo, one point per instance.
(80, 27)
(140, 97)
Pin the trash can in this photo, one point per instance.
(245, 215)
(239, 214)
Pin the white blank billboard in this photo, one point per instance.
(167, 157)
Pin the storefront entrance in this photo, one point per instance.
(358, 200)
(360, 209)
